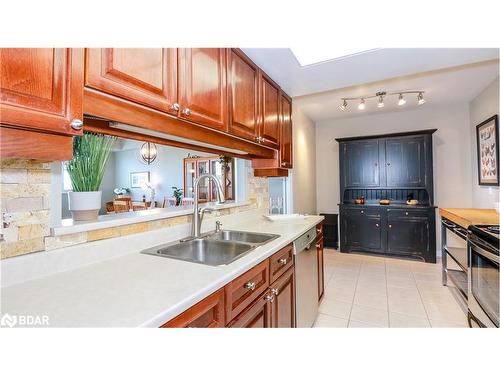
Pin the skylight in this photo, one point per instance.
(313, 55)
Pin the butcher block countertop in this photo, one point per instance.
(469, 216)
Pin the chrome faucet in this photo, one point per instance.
(198, 213)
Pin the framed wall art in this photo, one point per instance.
(487, 152)
(138, 179)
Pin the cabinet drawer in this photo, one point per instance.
(401, 213)
(241, 292)
(280, 262)
(367, 211)
(208, 313)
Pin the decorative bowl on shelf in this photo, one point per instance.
(384, 202)
(412, 202)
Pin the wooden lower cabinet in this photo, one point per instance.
(208, 313)
(282, 305)
(321, 261)
(258, 315)
(249, 301)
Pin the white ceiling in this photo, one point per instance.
(371, 66)
(444, 86)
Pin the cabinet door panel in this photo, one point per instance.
(208, 313)
(361, 164)
(41, 88)
(270, 99)
(321, 267)
(283, 304)
(286, 136)
(258, 315)
(405, 162)
(147, 76)
(243, 83)
(202, 86)
(361, 230)
(409, 235)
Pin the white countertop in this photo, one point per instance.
(138, 289)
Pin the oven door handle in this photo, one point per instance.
(478, 249)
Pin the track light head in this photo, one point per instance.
(343, 107)
(401, 100)
(380, 103)
(361, 105)
(420, 98)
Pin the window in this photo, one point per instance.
(67, 186)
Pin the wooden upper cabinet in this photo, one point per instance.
(202, 86)
(146, 76)
(269, 130)
(286, 129)
(243, 85)
(41, 88)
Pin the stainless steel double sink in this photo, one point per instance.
(215, 248)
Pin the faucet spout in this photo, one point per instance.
(197, 217)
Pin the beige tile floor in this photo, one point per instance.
(371, 291)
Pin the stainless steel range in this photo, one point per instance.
(484, 276)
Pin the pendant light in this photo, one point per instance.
(148, 152)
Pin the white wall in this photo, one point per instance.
(451, 150)
(481, 108)
(304, 164)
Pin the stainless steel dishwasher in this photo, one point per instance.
(306, 278)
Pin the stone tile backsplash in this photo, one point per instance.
(25, 209)
(24, 206)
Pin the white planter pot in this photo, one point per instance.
(84, 205)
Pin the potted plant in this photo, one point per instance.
(225, 161)
(177, 193)
(86, 169)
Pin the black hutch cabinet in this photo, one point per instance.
(395, 167)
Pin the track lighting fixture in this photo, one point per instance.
(380, 103)
(420, 98)
(381, 96)
(344, 105)
(401, 100)
(361, 104)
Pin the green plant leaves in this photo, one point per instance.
(90, 155)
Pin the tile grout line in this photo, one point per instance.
(387, 293)
(421, 299)
(354, 295)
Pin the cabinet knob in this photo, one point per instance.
(282, 261)
(376, 225)
(406, 213)
(175, 107)
(270, 297)
(283, 164)
(318, 246)
(250, 285)
(76, 124)
(389, 164)
(275, 291)
(390, 225)
(362, 211)
(186, 112)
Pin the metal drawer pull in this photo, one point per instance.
(250, 285)
(406, 213)
(186, 112)
(282, 261)
(175, 107)
(376, 225)
(362, 211)
(270, 297)
(390, 225)
(318, 246)
(275, 291)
